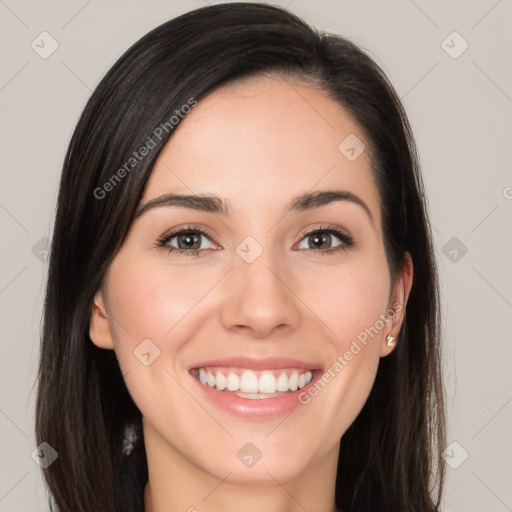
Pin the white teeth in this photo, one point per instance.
(294, 380)
(248, 382)
(221, 381)
(267, 383)
(255, 396)
(233, 382)
(283, 383)
(250, 385)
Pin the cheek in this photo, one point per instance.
(150, 308)
(351, 302)
(149, 301)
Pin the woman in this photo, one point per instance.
(242, 307)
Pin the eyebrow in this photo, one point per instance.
(216, 205)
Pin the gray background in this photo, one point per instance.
(460, 109)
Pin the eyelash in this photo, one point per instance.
(347, 240)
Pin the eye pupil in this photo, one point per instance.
(318, 239)
(190, 239)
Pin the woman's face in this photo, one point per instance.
(281, 290)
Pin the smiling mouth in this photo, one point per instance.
(254, 384)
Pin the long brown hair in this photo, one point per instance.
(390, 457)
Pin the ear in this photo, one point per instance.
(397, 305)
(99, 327)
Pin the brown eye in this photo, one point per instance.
(185, 241)
(322, 239)
(188, 241)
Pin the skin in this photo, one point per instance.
(257, 144)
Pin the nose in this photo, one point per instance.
(260, 298)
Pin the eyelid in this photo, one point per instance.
(328, 228)
(171, 233)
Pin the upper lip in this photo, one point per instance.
(257, 363)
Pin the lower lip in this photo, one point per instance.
(265, 408)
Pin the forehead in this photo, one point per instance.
(263, 141)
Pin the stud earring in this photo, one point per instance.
(390, 339)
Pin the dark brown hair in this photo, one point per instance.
(390, 455)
